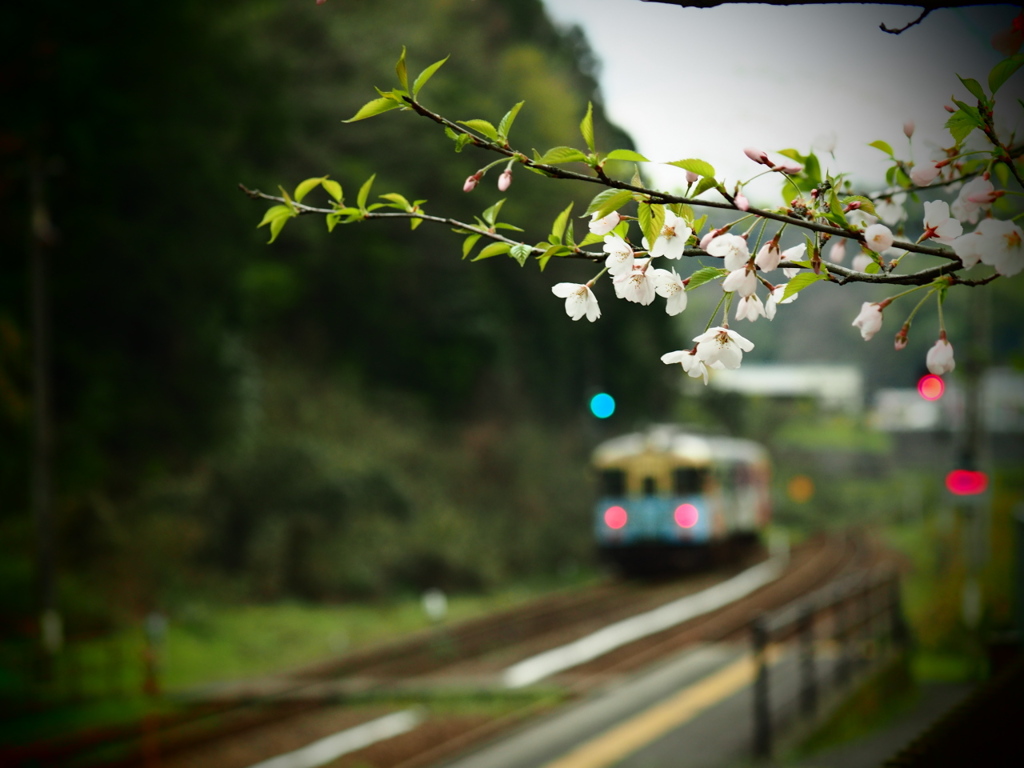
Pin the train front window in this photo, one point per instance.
(613, 482)
(687, 480)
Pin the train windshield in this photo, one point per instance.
(613, 482)
(688, 480)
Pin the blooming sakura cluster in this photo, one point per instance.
(969, 231)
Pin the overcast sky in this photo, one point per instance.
(689, 82)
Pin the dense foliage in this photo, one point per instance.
(183, 350)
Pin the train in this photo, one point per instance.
(671, 498)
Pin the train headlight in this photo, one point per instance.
(615, 517)
(686, 515)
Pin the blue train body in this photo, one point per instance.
(669, 496)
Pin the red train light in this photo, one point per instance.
(615, 517)
(931, 387)
(686, 515)
(964, 482)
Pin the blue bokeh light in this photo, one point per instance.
(602, 405)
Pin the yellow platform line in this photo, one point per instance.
(649, 725)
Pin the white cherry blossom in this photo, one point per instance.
(861, 262)
(890, 209)
(636, 286)
(796, 253)
(620, 256)
(775, 298)
(938, 225)
(869, 320)
(975, 196)
(579, 300)
(605, 224)
(878, 238)
(749, 308)
(1000, 244)
(837, 251)
(720, 346)
(940, 357)
(743, 281)
(692, 365)
(669, 285)
(672, 239)
(923, 175)
(769, 256)
(732, 248)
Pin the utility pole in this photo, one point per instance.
(41, 237)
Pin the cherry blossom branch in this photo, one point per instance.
(898, 30)
(661, 197)
(837, 273)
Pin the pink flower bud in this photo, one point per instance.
(471, 182)
(788, 166)
(757, 155)
(901, 338)
(741, 202)
(691, 177)
(908, 128)
(505, 180)
(949, 108)
(923, 175)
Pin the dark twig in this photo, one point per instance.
(918, 20)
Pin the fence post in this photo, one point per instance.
(762, 703)
(808, 681)
(842, 640)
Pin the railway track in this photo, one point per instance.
(238, 725)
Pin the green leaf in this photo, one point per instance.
(494, 249)
(491, 214)
(400, 70)
(425, 75)
(590, 239)
(273, 213)
(364, 192)
(399, 201)
(793, 154)
(557, 155)
(520, 253)
(482, 127)
(706, 183)
(545, 257)
(800, 282)
(701, 168)
(276, 226)
(884, 146)
(333, 188)
(612, 200)
(558, 227)
(652, 220)
(468, 243)
(974, 87)
(506, 122)
(960, 124)
(462, 140)
(626, 154)
(812, 169)
(1003, 71)
(304, 188)
(375, 107)
(705, 275)
(332, 221)
(587, 127)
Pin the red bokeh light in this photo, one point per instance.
(964, 482)
(615, 517)
(686, 515)
(931, 387)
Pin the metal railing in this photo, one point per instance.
(854, 620)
